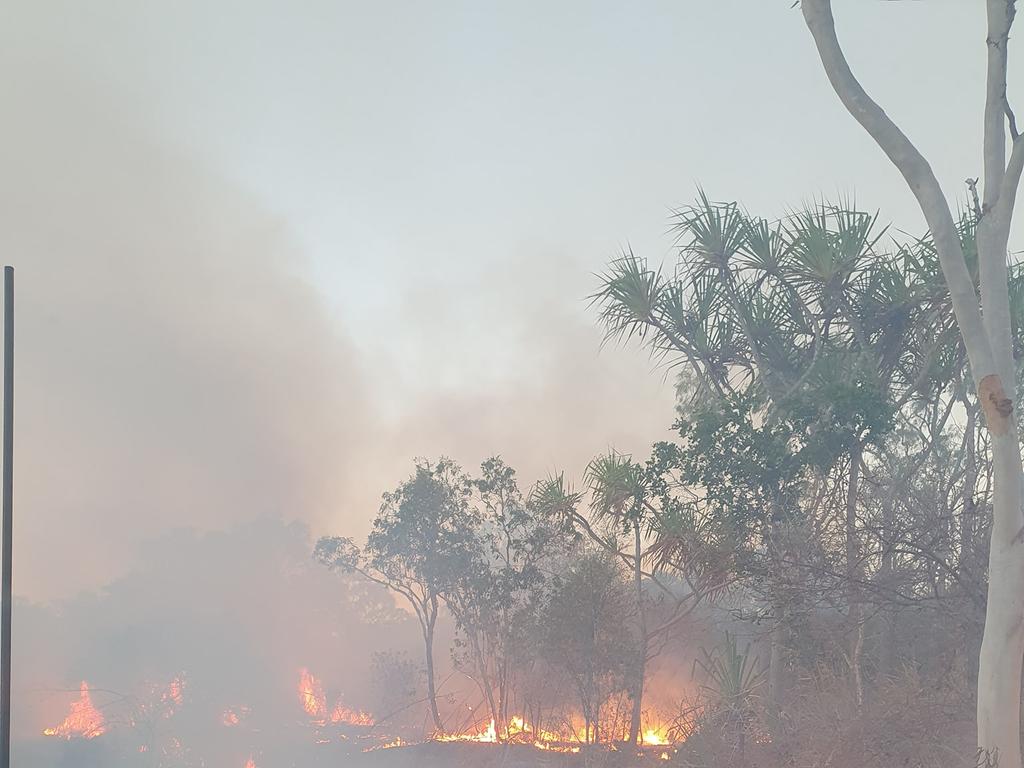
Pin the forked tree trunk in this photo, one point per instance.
(985, 328)
(428, 643)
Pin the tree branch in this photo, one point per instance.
(919, 177)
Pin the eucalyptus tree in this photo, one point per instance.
(585, 620)
(984, 318)
(494, 584)
(423, 527)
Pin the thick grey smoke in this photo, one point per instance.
(177, 368)
(174, 368)
(180, 376)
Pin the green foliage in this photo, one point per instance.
(424, 525)
(733, 677)
(585, 621)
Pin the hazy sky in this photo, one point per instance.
(270, 252)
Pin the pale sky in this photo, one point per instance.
(269, 252)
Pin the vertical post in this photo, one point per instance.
(8, 522)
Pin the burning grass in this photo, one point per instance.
(518, 742)
(84, 721)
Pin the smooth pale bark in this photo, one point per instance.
(918, 175)
(985, 328)
(969, 561)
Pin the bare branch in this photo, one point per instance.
(1011, 119)
(972, 185)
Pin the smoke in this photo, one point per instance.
(175, 367)
(184, 394)
(234, 616)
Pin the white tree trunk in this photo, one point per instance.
(1002, 645)
(985, 327)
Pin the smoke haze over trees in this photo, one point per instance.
(364, 400)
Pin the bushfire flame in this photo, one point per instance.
(311, 694)
(653, 737)
(84, 721)
(520, 731)
(314, 702)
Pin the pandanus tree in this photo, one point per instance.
(625, 503)
(806, 324)
(619, 492)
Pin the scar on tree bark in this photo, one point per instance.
(995, 403)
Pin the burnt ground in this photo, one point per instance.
(471, 755)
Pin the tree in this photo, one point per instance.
(800, 318)
(617, 486)
(985, 325)
(586, 632)
(423, 525)
(624, 498)
(492, 586)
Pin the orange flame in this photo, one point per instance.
(520, 731)
(311, 694)
(84, 720)
(342, 714)
(314, 702)
(655, 737)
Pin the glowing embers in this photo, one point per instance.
(84, 721)
(174, 695)
(232, 716)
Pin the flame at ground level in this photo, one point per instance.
(311, 694)
(655, 737)
(314, 702)
(521, 731)
(84, 720)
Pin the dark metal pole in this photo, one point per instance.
(8, 522)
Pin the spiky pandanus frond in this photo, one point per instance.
(617, 487)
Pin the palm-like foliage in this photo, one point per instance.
(819, 321)
(733, 676)
(617, 487)
(752, 303)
